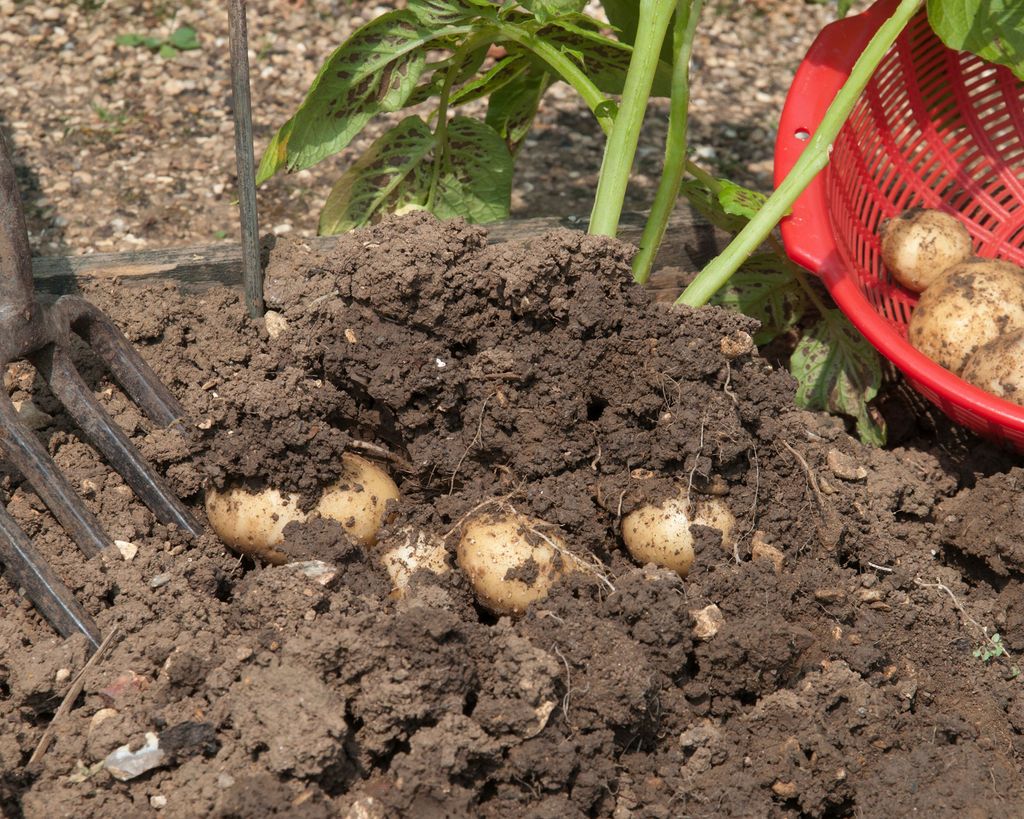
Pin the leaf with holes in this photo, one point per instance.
(992, 29)
(476, 174)
(838, 370)
(374, 71)
(499, 75)
(765, 288)
(393, 173)
(512, 108)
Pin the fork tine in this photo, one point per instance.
(59, 370)
(128, 367)
(30, 458)
(49, 595)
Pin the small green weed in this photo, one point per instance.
(183, 38)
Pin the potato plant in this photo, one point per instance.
(436, 52)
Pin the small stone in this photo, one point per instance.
(785, 790)
(158, 801)
(124, 763)
(159, 580)
(870, 595)
(127, 549)
(845, 466)
(366, 808)
(225, 780)
(275, 323)
(316, 570)
(100, 716)
(31, 416)
(243, 653)
(736, 344)
(707, 622)
(829, 595)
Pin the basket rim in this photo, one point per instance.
(807, 232)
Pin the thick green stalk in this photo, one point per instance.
(569, 71)
(814, 158)
(620, 149)
(687, 14)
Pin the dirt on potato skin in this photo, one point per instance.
(533, 377)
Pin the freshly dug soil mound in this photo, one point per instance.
(838, 676)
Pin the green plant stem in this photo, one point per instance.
(596, 101)
(687, 14)
(459, 58)
(811, 162)
(620, 149)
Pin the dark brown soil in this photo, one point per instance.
(843, 679)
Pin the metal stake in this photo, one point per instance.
(252, 274)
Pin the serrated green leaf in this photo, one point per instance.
(545, 10)
(476, 174)
(394, 172)
(512, 108)
(765, 288)
(184, 39)
(739, 201)
(374, 71)
(450, 12)
(837, 370)
(992, 29)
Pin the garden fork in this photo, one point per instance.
(41, 334)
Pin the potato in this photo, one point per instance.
(920, 244)
(409, 550)
(998, 367)
(968, 306)
(662, 534)
(511, 560)
(253, 522)
(358, 500)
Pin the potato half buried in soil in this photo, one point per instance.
(510, 560)
(920, 244)
(968, 306)
(662, 533)
(253, 522)
(998, 367)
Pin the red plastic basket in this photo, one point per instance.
(934, 127)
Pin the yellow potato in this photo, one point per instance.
(662, 533)
(968, 306)
(358, 500)
(511, 561)
(920, 244)
(998, 367)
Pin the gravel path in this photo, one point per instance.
(121, 149)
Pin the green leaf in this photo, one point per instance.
(394, 171)
(476, 174)
(710, 207)
(374, 71)
(765, 288)
(495, 78)
(450, 12)
(168, 52)
(739, 201)
(837, 370)
(545, 10)
(604, 60)
(129, 39)
(992, 29)
(512, 108)
(184, 39)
